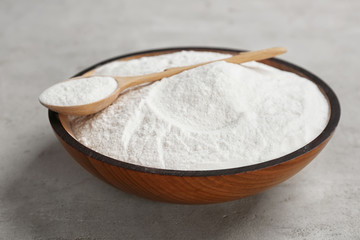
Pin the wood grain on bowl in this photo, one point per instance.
(197, 187)
(192, 189)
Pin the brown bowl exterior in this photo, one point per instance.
(197, 187)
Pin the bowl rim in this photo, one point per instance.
(326, 133)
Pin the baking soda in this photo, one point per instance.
(79, 91)
(216, 116)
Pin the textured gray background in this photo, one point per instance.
(44, 194)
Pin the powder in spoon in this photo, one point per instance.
(216, 116)
(79, 91)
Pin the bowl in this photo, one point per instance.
(197, 187)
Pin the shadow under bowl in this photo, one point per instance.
(197, 187)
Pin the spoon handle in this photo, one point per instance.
(242, 57)
(255, 55)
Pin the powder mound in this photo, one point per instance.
(79, 91)
(216, 116)
(203, 99)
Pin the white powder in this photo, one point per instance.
(78, 92)
(216, 116)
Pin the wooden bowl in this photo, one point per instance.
(197, 187)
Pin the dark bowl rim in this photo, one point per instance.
(326, 133)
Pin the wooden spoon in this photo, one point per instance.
(126, 82)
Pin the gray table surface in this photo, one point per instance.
(44, 194)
